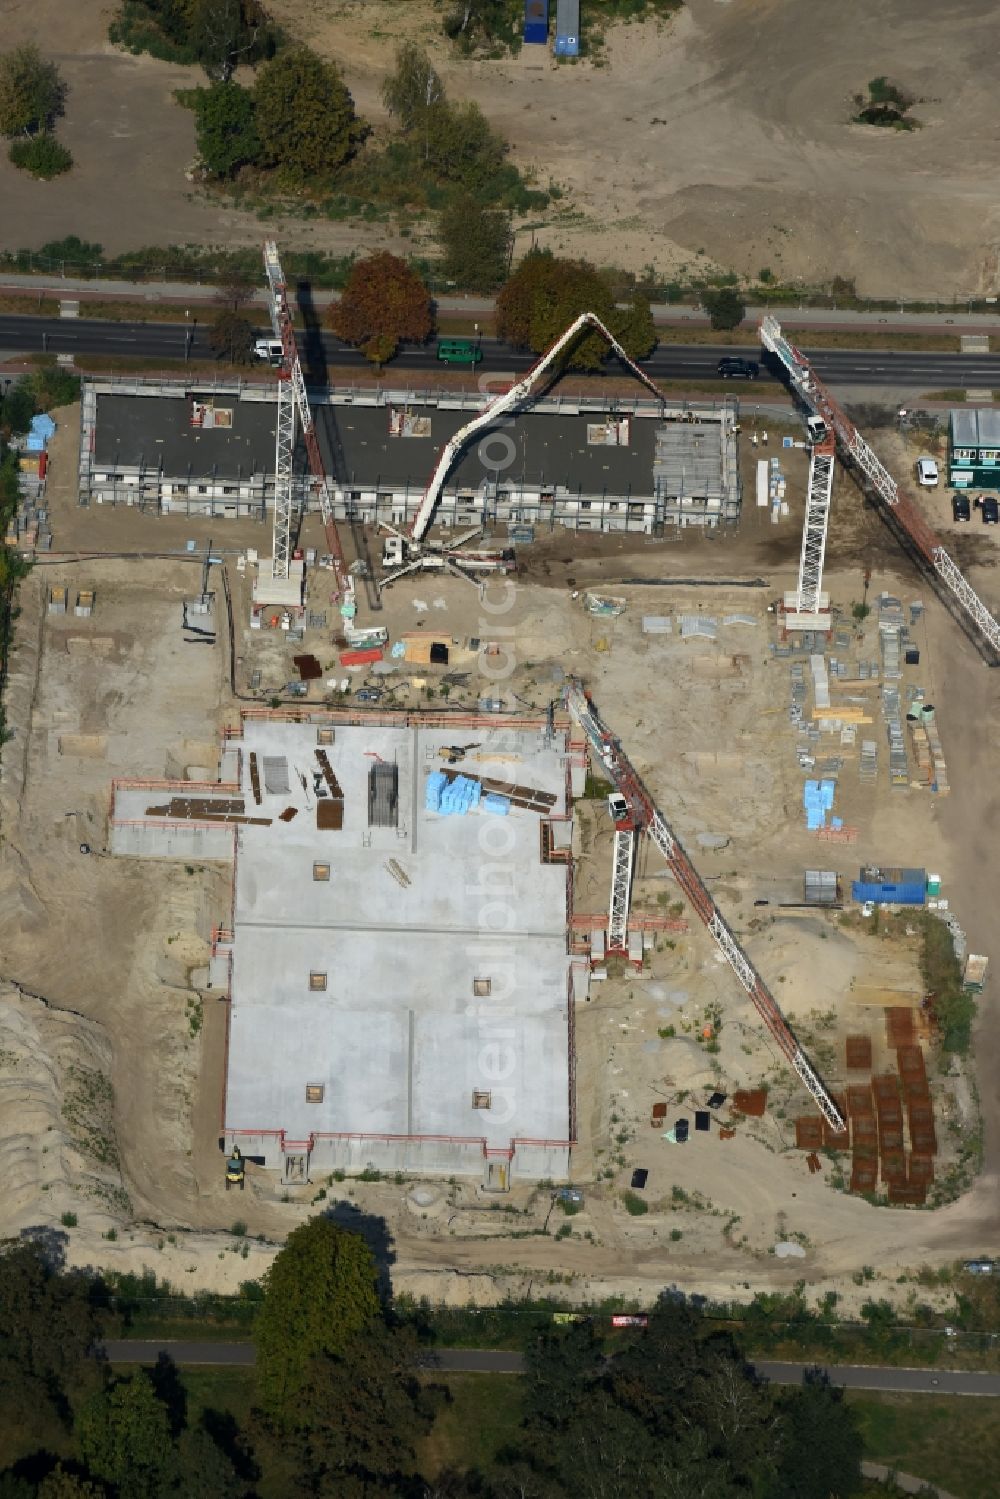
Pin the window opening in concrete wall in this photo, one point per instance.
(321, 871)
(317, 980)
(314, 1092)
(481, 987)
(324, 736)
(481, 1098)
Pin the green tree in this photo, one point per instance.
(63, 1484)
(47, 1321)
(724, 305)
(362, 1413)
(413, 87)
(318, 1293)
(226, 128)
(31, 91)
(544, 295)
(232, 337)
(124, 1435)
(16, 411)
(476, 242)
(461, 147)
(206, 1472)
(224, 33)
(820, 1444)
(305, 116)
(384, 304)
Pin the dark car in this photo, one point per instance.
(639, 1178)
(738, 369)
(960, 507)
(990, 511)
(681, 1131)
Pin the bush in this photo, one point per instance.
(68, 1220)
(635, 1204)
(42, 155)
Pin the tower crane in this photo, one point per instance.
(808, 600)
(645, 817)
(413, 553)
(827, 418)
(292, 400)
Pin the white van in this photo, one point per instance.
(268, 351)
(927, 473)
(816, 429)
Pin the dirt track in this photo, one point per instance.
(721, 137)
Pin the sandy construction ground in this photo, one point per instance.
(118, 948)
(721, 137)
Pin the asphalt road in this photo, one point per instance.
(875, 367)
(494, 1361)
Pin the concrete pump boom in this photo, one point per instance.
(506, 401)
(292, 398)
(647, 817)
(814, 394)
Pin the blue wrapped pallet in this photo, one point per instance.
(567, 28)
(536, 21)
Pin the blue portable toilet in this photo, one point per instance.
(536, 21)
(567, 28)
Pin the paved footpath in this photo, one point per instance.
(74, 287)
(885, 1378)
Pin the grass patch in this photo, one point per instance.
(814, 338)
(479, 1419)
(952, 1440)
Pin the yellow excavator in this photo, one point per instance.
(236, 1170)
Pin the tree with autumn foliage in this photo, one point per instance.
(384, 304)
(545, 294)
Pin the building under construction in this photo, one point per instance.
(583, 464)
(396, 963)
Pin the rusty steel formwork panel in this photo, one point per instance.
(923, 1140)
(886, 1085)
(911, 1063)
(808, 1132)
(864, 1171)
(750, 1101)
(899, 1026)
(864, 1131)
(890, 1136)
(916, 1090)
(859, 1053)
(921, 1170)
(911, 1195)
(859, 1101)
(893, 1167)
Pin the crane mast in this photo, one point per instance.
(292, 401)
(646, 817)
(905, 513)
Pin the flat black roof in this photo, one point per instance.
(156, 432)
(536, 448)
